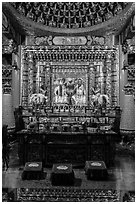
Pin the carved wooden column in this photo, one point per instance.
(47, 82)
(42, 86)
(38, 78)
(115, 88)
(108, 76)
(30, 74)
(91, 81)
(101, 79)
(24, 80)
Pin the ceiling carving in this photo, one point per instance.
(69, 14)
(98, 18)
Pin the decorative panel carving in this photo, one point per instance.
(8, 46)
(47, 40)
(131, 73)
(7, 79)
(69, 53)
(69, 41)
(129, 89)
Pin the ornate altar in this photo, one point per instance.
(63, 84)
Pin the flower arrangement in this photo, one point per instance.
(38, 99)
(100, 100)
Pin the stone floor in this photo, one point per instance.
(121, 176)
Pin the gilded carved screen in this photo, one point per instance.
(69, 81)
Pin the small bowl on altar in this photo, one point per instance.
(91, 129)
(105, 127)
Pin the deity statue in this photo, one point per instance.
(79, 93)
(99, 100)
(60, 95)
(70, 91)
(70, 86)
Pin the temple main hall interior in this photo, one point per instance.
(68, 101)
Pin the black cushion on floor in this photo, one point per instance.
(33, 171)
(96, 170)
(62, 174)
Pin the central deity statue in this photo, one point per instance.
(70, 91)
